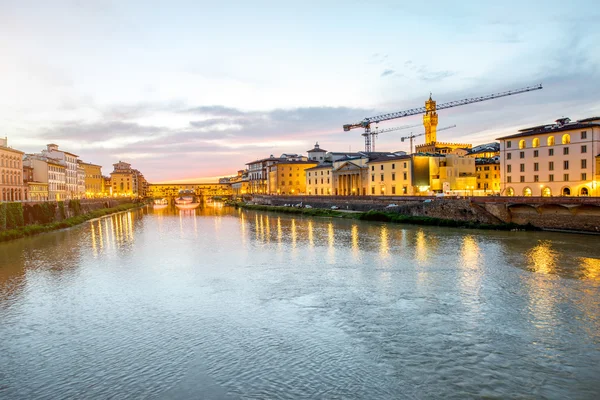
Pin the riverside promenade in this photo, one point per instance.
(578, 214)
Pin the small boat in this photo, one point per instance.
(187, 206)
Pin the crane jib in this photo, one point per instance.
(365, 123)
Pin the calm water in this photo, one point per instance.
(221, 303)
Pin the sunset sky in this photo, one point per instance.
(195, 89)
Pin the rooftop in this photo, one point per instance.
(544, 129)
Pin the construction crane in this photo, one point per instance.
(411, 136)
(377, 131)
(430, 117)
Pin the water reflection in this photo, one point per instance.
(542, 258)
(590, 268)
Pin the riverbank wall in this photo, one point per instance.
(16, 215)
(550, 213)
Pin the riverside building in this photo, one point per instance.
(560, 159)
(73, 189)
(93, 179)
(12, 187)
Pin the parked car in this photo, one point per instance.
(334, 207)
(308, 206)
(391, 205)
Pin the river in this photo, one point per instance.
(229, 304)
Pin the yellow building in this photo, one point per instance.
(488, 175)
(122, 179)
(390, 175)
(319, 180)
(94, 182)
(452, 174)
(288, 177)
(37, 191)
(106, 186)
(11, 173)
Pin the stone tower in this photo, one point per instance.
(430, 121)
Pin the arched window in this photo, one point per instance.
(566, 138)
(546, 192)
(521, 144)
(566, 191)
(550, 140)
(527, 192)
(510, 192)
(535, 142)
(584, 192)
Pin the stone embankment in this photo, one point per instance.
(25, 219)
(550, 213)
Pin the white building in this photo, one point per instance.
(559, 159)
(70, 160)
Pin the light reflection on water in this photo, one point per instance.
(169, 304)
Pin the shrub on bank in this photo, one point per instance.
(11, 215)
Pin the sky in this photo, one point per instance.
(194, 90)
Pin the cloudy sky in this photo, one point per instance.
(195, 89)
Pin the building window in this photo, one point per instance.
(551, 177)
(393, 166)
(584, 176)
(521, 154)
(372, 178)
(381, 178)
(536, 178)
(381, 167)
(372, 168)
(393, 177)
(565, 177)
(583, 164)
(535, 142)
(393, 189)
(551, 166)
(550, 152)
(509, 144)
(565, 151)
(405, 176)
(566, 191)
(584, 148)
(372, 189)
(404, 165)
(508, 156)
(509, 168)
(536, 153)
(521, 144)
(536, 166)
(584, 135)
(566, 164)
(566, 138)
(522, 167)
(527, 192)
(510, 192)
(522, 178)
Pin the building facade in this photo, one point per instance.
(390, 175)
(12, 187)
(319, 180)
(73, 190)
(288, 177)
(488, 175)
(93, 180)
(559, 159)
